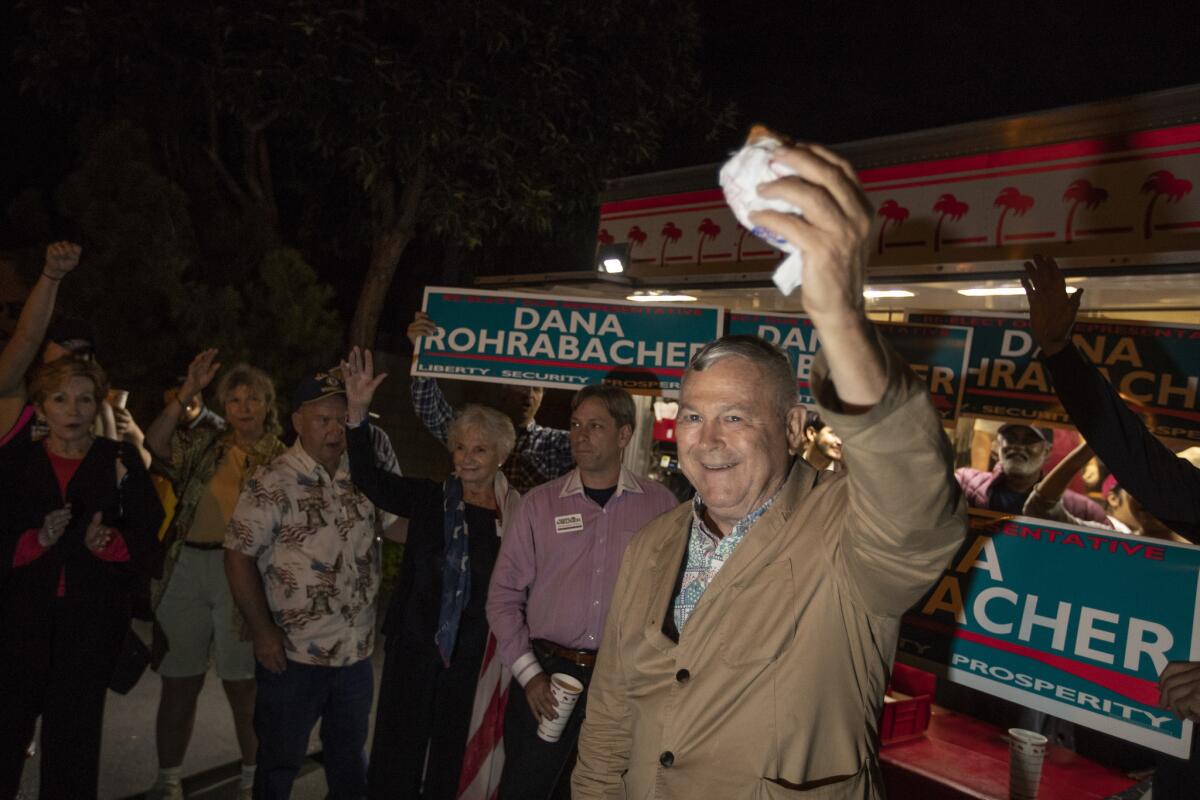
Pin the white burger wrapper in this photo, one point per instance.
(740, 178)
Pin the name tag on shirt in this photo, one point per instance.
(571, 523)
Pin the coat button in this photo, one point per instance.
(683, 676)
(667, 758)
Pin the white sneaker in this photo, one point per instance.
(165, 791)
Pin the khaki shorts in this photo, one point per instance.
(196, 614)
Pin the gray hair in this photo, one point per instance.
(256, 380)
(779, 378)
(616, 400)
(493, 425)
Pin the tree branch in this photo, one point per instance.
(214, 153)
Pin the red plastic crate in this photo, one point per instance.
(906, 710)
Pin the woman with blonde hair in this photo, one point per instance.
(193, 605)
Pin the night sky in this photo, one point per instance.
(830, 72)
(838, 72)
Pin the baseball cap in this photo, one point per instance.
(1045, 434)
(319, 385)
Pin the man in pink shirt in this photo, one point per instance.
(553, 582)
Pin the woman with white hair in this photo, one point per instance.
(436, 626)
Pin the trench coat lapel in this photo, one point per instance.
(762, 540)
(664, 571)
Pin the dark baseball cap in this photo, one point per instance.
(317, 386)
(1045, 434)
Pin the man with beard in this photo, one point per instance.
(822, 447)
(1023, 450)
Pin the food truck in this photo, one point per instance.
(1112, 191)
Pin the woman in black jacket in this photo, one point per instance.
(436, 627)
(80, 538)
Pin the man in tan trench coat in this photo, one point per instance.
(752, 632)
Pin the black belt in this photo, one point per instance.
(581, 658)
(204, 545)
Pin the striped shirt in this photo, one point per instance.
(558, 564)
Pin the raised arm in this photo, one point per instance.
(384, 488)
(906, 514)
(1166, 485)
(428, 402)
(22, 348)
(1045, 501)
(832, 235)
(200, 373)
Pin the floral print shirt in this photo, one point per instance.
(313, 536)
(706, 554)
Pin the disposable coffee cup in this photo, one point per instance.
(566, 691)
(1026, 752)
(117, 398)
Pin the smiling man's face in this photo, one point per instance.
(732, 440)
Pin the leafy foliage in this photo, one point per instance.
(148, 294)
(134, 226)
(281, 321)
(469, 122)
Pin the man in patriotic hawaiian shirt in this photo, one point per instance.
(303, 565)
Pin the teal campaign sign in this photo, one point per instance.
(562, 342)
(1027, 611)
(937, 353)
(1155, 367)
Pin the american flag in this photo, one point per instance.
(484, 759)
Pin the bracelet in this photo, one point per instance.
(51, 277)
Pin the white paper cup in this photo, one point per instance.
(118, 397)
(566, 691)
(1026, 751)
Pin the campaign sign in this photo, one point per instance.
(1072, 621)
(794, 334)
(1155, 367)
(937, 353)
(561, 342)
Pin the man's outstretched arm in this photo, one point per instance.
(1166, 485)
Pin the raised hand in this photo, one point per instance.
(53, 526)
(832, 233)
(201, 371)
(421, 325)
(61, 258)
(1051, 310)
(358, 373)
